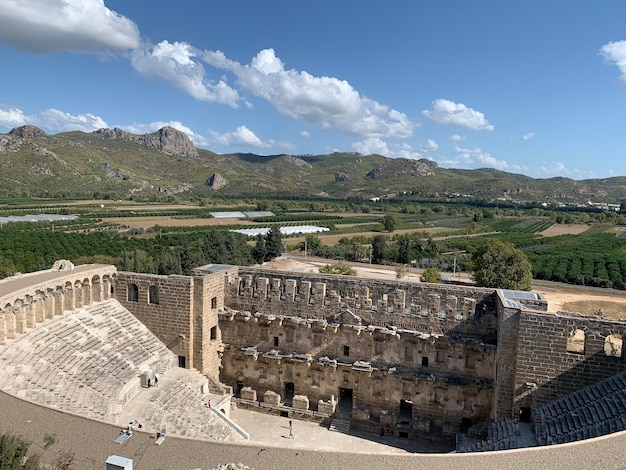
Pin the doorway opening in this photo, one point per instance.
(406, 412)
(289, 393)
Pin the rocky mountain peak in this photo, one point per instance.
(398, 167)
(167, 140)
(216, 181)
(27, 132)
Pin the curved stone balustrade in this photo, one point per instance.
(28, 299)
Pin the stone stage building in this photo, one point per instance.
(427, 360)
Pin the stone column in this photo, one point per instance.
(20, 318)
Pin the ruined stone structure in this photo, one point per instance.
(45, 294)
(409, 359)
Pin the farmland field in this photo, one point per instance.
(564, 229)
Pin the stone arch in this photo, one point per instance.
(613, 345)
(576, 341)
(132, 293)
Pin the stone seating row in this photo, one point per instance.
(501, 435)
(181, 407)
(82, 362)
(589, 412)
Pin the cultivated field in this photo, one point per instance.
(564, 229)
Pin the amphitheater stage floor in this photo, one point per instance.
(272, 430)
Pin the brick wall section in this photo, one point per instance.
(543, 360)
(208, 299)
(506, 360)
(170, 320)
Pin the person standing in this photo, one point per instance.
(291, 429)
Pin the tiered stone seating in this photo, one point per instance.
(89, 362)
(83, 362)
(501, 435)
(589, 412)
(181, 408)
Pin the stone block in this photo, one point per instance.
(327, 407)
(271, 398)
(300, 402)
(248, 393)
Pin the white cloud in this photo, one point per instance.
(457, 138)
(528, 136)
(328, 102)
(374, 145)
(457, 114)
(48, 26)
(177, 63)
(305, 134)
(474, 158)
(615, 53)
(430, 146)
(139, 128)
(11, 117)
(244, 137)
(53, 121)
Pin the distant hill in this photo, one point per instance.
(117, 164)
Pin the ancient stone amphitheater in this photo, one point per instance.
(488, 370)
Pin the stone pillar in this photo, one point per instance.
(68, 299)
(2, 327)
(58, 300)
(20, 318)
(31, 319)
(78, 295)
(86, 294)
(9, 320)
(96, 290)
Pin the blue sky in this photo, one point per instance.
(529, 87)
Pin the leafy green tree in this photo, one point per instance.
(313, 242)
(273, 244)
(259, 251)
(501, 265)
(431, 275)
(338, 268)
(404, 249)
(191, 256)
(379, 248)
(391, 222)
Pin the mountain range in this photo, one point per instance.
(118, 164)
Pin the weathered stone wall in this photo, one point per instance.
(431, 308)
(381, 367)
(181, 312)
(546, 370)
(396, 346)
